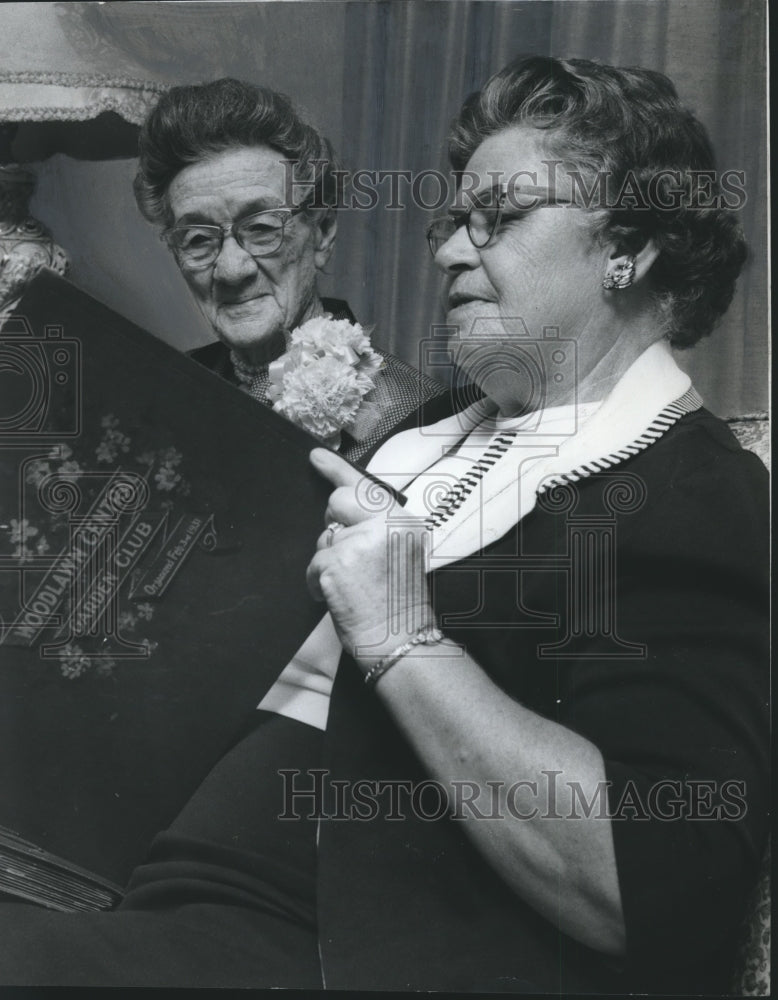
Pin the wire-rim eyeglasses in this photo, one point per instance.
(260, 234)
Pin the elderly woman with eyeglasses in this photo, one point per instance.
(245, 194)
(573, 638)
(526, 750)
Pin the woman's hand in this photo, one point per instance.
(372, 572)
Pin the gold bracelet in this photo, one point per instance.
(427, 636)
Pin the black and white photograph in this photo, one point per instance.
(385, 497)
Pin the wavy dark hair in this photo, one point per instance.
(189, 123)
(628, 127)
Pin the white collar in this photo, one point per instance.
(651, 395)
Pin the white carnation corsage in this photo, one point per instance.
(322, 380)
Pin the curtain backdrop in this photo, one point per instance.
(383, 80)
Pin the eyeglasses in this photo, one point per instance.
(482, 219)
(260, 235)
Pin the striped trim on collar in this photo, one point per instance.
(649, 398)
(662, 422)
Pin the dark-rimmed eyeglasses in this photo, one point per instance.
(259, 234)
(482, 219)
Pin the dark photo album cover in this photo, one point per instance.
(152, 586)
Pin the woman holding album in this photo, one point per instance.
(526, 749)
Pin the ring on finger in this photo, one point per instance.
(332, 529)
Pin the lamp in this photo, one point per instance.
(26, 244)
(60, 98)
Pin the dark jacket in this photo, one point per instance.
(410, 904)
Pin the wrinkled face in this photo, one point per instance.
(250, 302)
(541, 269)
